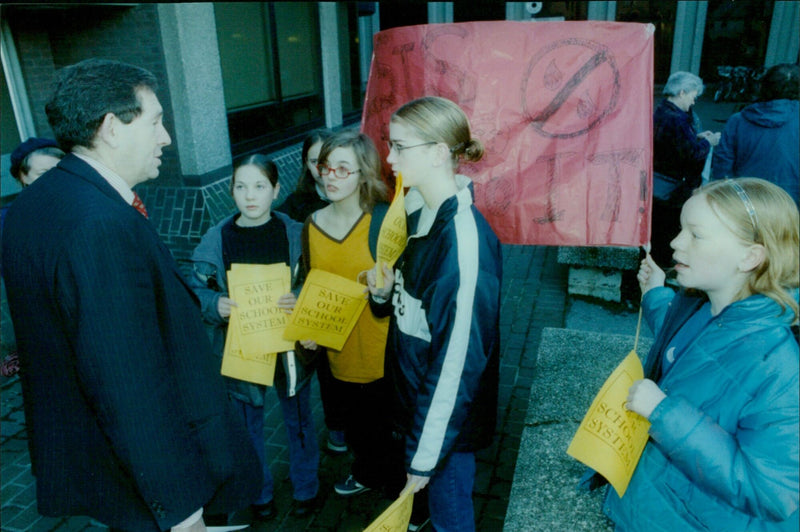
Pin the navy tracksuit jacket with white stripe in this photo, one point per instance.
(442, 354)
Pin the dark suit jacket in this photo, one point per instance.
(126, 410)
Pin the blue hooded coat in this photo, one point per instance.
(443, 349)
(762, 141)
(723, 450)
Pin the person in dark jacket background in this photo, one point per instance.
(34, 157)
(763, 140)
(679, 152)
(443, 346)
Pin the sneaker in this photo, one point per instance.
(265, 512)
(350, 486)
(304, 508)
(336, 442)
(416, 527)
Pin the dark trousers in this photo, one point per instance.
(369, 434)
(332, 405)
(666, 226)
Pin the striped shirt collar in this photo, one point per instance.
(110, 176)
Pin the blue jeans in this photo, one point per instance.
(450, 494)
(303, 446)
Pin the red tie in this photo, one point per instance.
(138, 204)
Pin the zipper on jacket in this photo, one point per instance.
(291, 378)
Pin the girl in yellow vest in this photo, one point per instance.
(336, 239)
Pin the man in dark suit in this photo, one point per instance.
(126, 410)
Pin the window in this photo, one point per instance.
(475, 11)
(14, 120)
(271, 69)
(396, 14)
(567, 10)
(9, 133)
(736, 35)
(349, 57)
(662, 16)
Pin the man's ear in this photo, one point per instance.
(276, 192)
(108, 131)
(753, 257)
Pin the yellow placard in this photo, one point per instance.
(259, 368)
(396, 517)
(611, 438)
(394, 234)
(256, 289)
(326, 310)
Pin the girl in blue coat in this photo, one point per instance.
(258, 235)
(722, 387)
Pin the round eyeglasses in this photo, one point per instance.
(399, 147)
(340, 172)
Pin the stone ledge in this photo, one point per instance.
(544, 496)
(597, 271)
(571, 367)
(595, 282)
(613, 257)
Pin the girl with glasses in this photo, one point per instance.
(336, 239)
(309, 196)
(443, 347)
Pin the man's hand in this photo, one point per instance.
(197, 526)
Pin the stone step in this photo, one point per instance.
(570, 369)
(597, 271)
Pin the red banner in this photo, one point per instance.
(564, 110)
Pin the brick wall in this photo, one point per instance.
(49, 39)
(36, 62)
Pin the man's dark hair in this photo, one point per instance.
(87, 91)
(781, 82)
